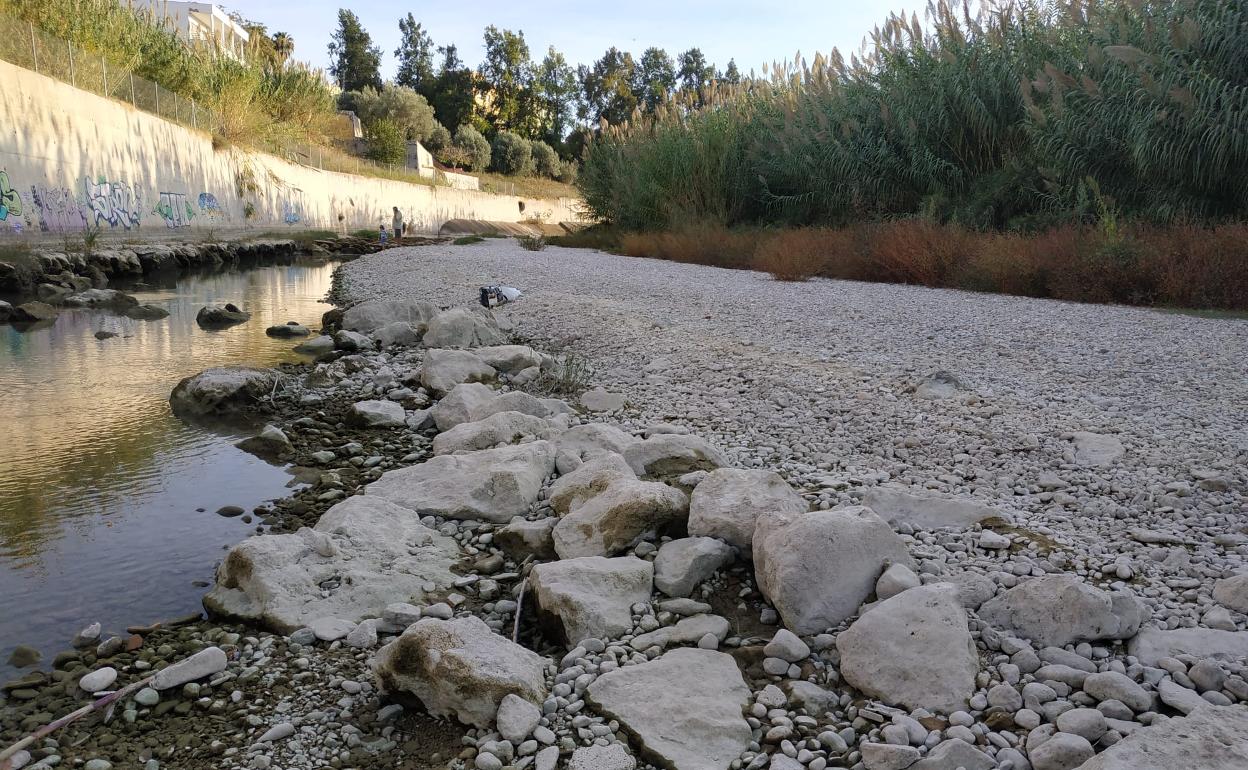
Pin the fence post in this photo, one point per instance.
(72, 80)
(34, 46)
(104, 71)
(156, 88)
(133, 100)
(194, 115)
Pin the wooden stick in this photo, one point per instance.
(515, 628)
(5, 756)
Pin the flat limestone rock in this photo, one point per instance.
(1210, 738)
(670, 454)
(459, 668)
(615, 519)
(588, 480)
(591, 597)
(927, 511)
(499, 428)
(818, 567)
(491, 485)
(378, 552)
(371, 315)
(1055, 610)
(462, 327)
(913, 650)
(1097, 450)
(473, 401)
(727, 503)
(444, 369)
(684, 708)
(582, 443)
(1152, 644)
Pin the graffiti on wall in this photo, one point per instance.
(175, 209)
(209, 208)
(292, 213)
(59, 209)
(117, 204)
(10, 203)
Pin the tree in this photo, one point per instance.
(732, 74)
(283, 46)
(438, 140)
(415, 55)
(694, 71)
(451, 92)
(507, 81)
(545, 160)
(556, 87)
(385, 143)
(606, 87)
(356, 62)
(475, 148)
(399, 105)
(512, 154)
(656, 77)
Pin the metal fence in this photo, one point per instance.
(28, 46)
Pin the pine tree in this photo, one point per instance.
(415, 55)
(356, 61)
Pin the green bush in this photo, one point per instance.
(438, 140)
(568, 171)
(474, 148)
(512, 154)
(545, 160)
(397, 104)
(385, 142)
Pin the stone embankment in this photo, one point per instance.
(491, 577)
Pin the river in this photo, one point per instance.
(107, 501)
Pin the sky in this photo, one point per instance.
(752, 32)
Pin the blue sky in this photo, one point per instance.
(752, 32)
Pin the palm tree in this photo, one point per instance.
(283, 46)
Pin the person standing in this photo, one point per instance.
(398, 223)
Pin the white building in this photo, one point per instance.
(200, 22)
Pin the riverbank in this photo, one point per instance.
(1009, 442)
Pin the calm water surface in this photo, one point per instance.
(100, 483)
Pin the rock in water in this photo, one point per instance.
(684, 708)
(30, 312)
(1210, 738)
(818, 567)
(460, 668)
(1055, 610)
(914, 649)
(463, 328)
(376, 553)
(317, 346)
(220, 391)
(287, 330)
(377, 414)
(728, 502)
(444, 369)
(145, 312)
(271, 442)
(927, 511)
(615, 519)
(591, 597)
(212, 317)
(492, 485)
(206, 662)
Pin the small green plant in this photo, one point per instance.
(364, 232)
(532, 242)
(249, 210)
(467, 240)
(90, 236)
(567, 376)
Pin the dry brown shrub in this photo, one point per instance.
(917, 251)
(1198, 267)
(794, 255)
(705, 245)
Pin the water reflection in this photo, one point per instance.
(99, 483)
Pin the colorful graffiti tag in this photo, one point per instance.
(292, 213)
(10, 199)
(209, 207)
(175, 209)
(117, 204)
(59, 209)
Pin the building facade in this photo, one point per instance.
(200, 23)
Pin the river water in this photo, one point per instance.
(107, 501)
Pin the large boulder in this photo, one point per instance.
(398, 333)
(671, 454)
(372, 552)
(684, 563)
(472, 401)
(459, 668)
(1152, 644)
(491, 485)
(522, 538)
(32, 312)
(727, 504)
(1056, 610)
(684, 708)
(499, 428)
(220, 391)
(1210, 738)
(616, 518)
(582, 443)
(913, 650)
(102, 298)
(818, 567)
(377, 414)
(587, 481)
(463, 328)
(1232, 593)
(590, 597)
(217, 317)
(371, 315)
(444, 369)
(928, 511)
(511, 359)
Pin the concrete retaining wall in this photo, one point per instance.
(72, 161)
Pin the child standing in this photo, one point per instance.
(383, 235)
